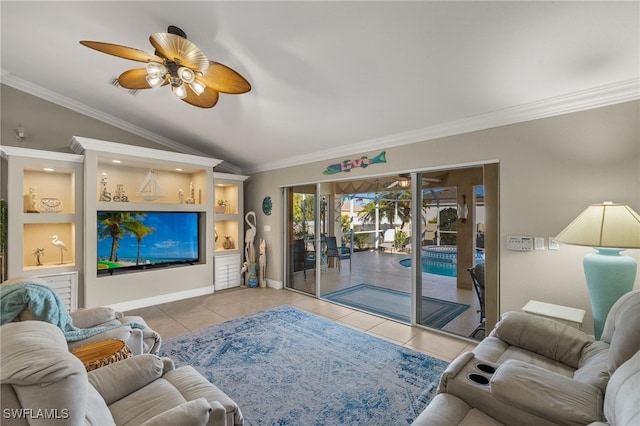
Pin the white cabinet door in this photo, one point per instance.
(227, 271)
(66, 285)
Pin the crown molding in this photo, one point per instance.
(8, 151)
(610, 94)
(81, 144)
(12, 81)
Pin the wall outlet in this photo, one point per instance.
(538, 243)
(553, 244)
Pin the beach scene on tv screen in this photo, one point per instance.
(134, 239)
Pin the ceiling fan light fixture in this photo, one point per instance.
(186, 74)
(197, 87)
(155, 82)
(180, 91)
(155, 69)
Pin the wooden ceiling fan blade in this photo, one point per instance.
(121, 51)
(207, 99)
(179, 50)
(136, 79)
(223, 79)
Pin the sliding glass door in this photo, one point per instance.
(395, 246)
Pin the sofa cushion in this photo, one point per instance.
(557, 398)
(117, 380)
(191, 413)
(622, 400)
(621, 329)
(544, 336)
(145, 403)
(98, 413)
(192, 385)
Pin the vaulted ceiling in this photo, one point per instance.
(330, 78)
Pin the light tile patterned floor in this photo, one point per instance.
(383, 269)
(183, 316)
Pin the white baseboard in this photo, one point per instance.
(278, 285)
(156, 300)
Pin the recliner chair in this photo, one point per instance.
(42, 383)
(545, 373)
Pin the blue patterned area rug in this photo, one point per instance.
(394, 304)
(284, 366)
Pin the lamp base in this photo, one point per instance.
(609, 275)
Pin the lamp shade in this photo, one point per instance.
(604, 225)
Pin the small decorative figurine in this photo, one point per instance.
(262, 262)
(120, 195)
(227, 244)
(61, 245)
(150, 189)
(104, 194)
(180, 196)
(37, 253)
(192, 195)
(33, 191)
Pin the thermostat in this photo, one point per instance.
(519, 243)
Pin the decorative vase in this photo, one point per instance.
(220, 209)
(227, 244)
(252, 281)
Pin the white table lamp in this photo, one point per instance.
(609, 228)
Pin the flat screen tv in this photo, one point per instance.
(136, 240)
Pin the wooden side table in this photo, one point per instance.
(564, 314)
(98, 354)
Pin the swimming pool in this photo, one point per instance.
(441, 260)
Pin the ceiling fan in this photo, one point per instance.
(178, 62)
(404, 181)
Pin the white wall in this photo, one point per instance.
(550, 170)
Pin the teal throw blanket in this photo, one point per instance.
(45, 305)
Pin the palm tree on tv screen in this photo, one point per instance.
(116, 225)
(139, 231)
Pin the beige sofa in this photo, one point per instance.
(42, 383)
(536, 371)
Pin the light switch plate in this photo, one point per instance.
(553, 244)
(538, 243)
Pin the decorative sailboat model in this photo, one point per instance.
(150, 189)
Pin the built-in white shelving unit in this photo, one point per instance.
(229, 226)
(44, 212)
(112, 170)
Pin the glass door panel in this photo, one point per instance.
(300, 237)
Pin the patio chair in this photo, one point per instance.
(334, 251)
(477, 275)
(388, 239)
(301, 259)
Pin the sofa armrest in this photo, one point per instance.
(453, 369)
(546, 394)
(117, 380)
(543, 336)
